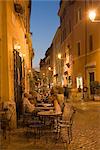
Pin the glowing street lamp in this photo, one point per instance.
(49, 68)
(92, 16)
(59, 56)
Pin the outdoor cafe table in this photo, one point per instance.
(44, 108)
(44, 104)
(50, 115)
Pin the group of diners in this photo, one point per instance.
(35, 101)
(32, 103)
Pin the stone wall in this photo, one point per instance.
(11, 113)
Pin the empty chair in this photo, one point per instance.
(65, 124)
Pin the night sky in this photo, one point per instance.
(44, 23)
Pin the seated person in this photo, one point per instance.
(45, 98)
(39, 97)
(55, 102)
(28, 107)
(33, 97)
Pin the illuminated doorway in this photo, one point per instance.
(79, 82)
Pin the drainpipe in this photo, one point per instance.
(85, 77)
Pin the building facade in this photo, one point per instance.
(80, 37)
(77, 40)
(15, 52)
(57, 63)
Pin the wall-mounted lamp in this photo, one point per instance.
(24, 55)
(59, 56)
(49, 68)
(17, 46)
(29, 70)
(92, 16)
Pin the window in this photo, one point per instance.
(92, 79)
(90, 42)
(65, 55)
(78, 48)
(70, 26)
(49, 61)
(78, 15)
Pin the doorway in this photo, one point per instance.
(91, 79)
(17, 84)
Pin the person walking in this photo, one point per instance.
(66, 93)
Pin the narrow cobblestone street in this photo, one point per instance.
(86, 133)
(50, 75)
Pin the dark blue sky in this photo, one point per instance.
(44, 23)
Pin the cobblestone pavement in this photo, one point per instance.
(86, 127)
(86, 133)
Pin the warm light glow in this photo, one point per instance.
(79, 81)
(20, 54)
(43, 74)
(24, 55)
(92, 15)
(59, 56)
(17, 46)
(29, 71)
(49, 68)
